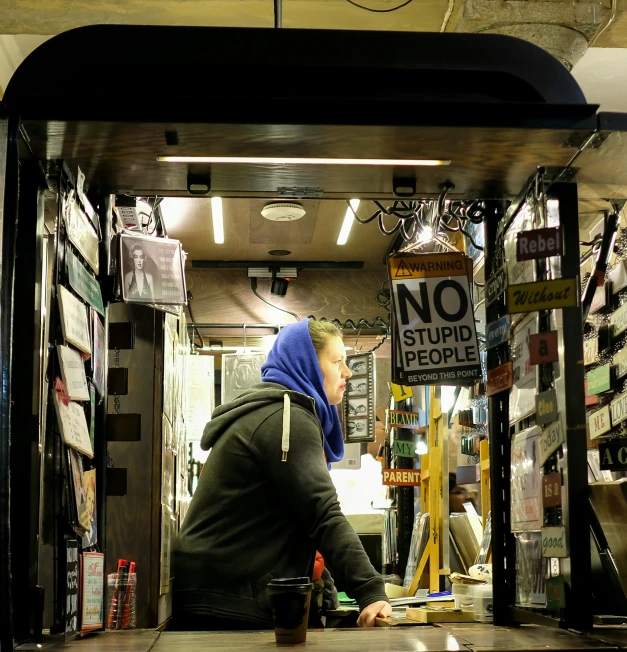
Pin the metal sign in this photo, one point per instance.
(539, 243)
(401, 419)
(613, 454)
(499, 379)
(81, 233)
(542, 295)
(546, 407)
(498, 331)
(554, 542)
(555, 595)
(543, 348)
(550, 440)
(83, 283)
(620, 363)
(618, 276)
(618, 321)
(495, 286)
(599, 380)
(434, 324)
(590, 351)
(599, 300)
(619, 409)
(401, 392)
(401, 477)
(552, 490)
(404, 448)
(599, 422)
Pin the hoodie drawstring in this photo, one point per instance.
(285, 438)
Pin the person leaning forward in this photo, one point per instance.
(265, 502)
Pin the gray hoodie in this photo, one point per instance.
(264, 504)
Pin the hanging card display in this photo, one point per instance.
(90, 538)
(526, 481)
(73, 373)
(78, 488)
(74, 320)
(522, 400)
(81, 233)
(152, 270)
(98, 353)
(73, 425)
(82, 282)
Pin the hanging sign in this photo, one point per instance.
(554, 542)
(619, 409)
(543, 348)
(620, 363)
(401, 477)
(539, 243)
(83, 283)
(92, 591)
(401, 392)
(499, 379)
(552, 490)
(590, 351)
(404, 448)
(613, 454)
(434, 320)
(81, 233)
(498, 331)
(495, 286)
(542, 295)
(618, 321)
(555, 595)
(546, 407)
(599, 422)
(550, 440)
(73, 373)
(599, 380)
(618, 276)
(71, 589)
(599, 300)
(74, 320)
(400, 419)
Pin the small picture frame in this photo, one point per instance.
(358, 406)
(152, 270)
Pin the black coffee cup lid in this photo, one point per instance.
(290, 583)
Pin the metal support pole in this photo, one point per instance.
(503, 542)
(405, 496)
(278, 14)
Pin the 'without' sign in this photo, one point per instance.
(435, 338)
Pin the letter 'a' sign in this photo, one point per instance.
(434, 340)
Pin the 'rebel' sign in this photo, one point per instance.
(434, 341)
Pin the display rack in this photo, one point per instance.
(566, 377)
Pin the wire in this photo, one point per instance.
(380, 344)
(358, 219)
(190, 296)
(380, 11)
(253, 287)
(349, 323)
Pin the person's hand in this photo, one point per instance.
(372, 611)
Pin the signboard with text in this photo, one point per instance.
(542, 295)
(539, 243)
(401, 477)
(434, 335)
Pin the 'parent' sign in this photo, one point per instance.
(434, 339)
(401, 477)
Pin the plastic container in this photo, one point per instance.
(482, 601)
(463, 596)
(291, 598)
(121, 600)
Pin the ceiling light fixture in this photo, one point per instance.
(218, 220)
(349, 218)
(270, 160)
(426, 235)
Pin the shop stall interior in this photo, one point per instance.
(153, 249)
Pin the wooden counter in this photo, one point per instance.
(450, 638)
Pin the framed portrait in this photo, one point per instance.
(358, 406)
(152, 270)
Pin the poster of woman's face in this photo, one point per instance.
(152, 270)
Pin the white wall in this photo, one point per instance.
(13, 50)
(602, 75)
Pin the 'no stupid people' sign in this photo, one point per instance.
(434, 340)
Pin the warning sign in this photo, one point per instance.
(434, 336)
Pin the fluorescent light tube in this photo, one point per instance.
(269, 160)
(349, 218)
(218, 220)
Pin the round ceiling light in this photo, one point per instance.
(283, 212)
